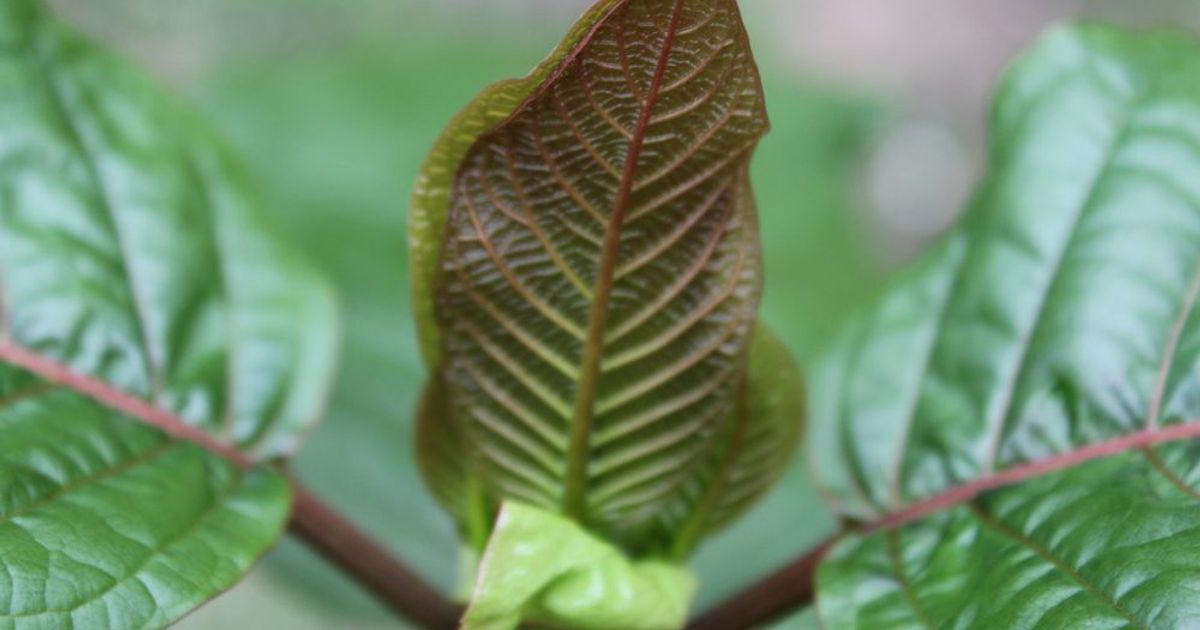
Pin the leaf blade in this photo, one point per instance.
(139, 291)
(579, 581)
(1068, 299)
(94, 527)
(1085, 531)
(767, 428)
(153, 274)
(431, 195)
(572, 306)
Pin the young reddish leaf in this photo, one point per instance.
(598, 266)
(445, 466)
(755, 451)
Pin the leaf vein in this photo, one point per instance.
(545, 309)
(1045, 554)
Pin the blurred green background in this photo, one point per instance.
(878, 113)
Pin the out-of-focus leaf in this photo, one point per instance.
(541, 567)
(757, 448)
(136, 277)
(431, 197)
(599, 272)
(1015, 420)
(442, 457)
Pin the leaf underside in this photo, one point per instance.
(598, 271)
(135, 273)
(1049, 348)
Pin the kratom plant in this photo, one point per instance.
(1009, 433)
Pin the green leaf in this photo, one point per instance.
(598, 269)
(544, 568)
(1014, 423)
(444, 464)
(138, 286)
(105, 523)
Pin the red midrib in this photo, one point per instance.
(968, 491)
(117, 400)
(575, 481)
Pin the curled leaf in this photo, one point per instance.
(598, 267)
(543, 568)
(767, 427)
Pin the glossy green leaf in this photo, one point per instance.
(105, 523)
(1015, 421)
(1111, 543)
(138, 285)
(598, 268)
(544, 568)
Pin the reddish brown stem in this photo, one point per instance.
(777, 594)
(368, 563)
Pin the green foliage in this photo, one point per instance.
(1030, 443)
(139, 286)
(544, 568)
(1014, 421)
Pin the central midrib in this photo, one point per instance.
(575, 481)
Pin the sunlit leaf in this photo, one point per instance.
(138, 285)
(1014, 422)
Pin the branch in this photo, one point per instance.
(788, 589)
(369, 564)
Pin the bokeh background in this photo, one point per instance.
(879, 113)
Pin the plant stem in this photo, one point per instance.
(784, 591)
(368, 563)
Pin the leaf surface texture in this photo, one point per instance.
(1017, 415)
(137, 282)
(598, 267)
